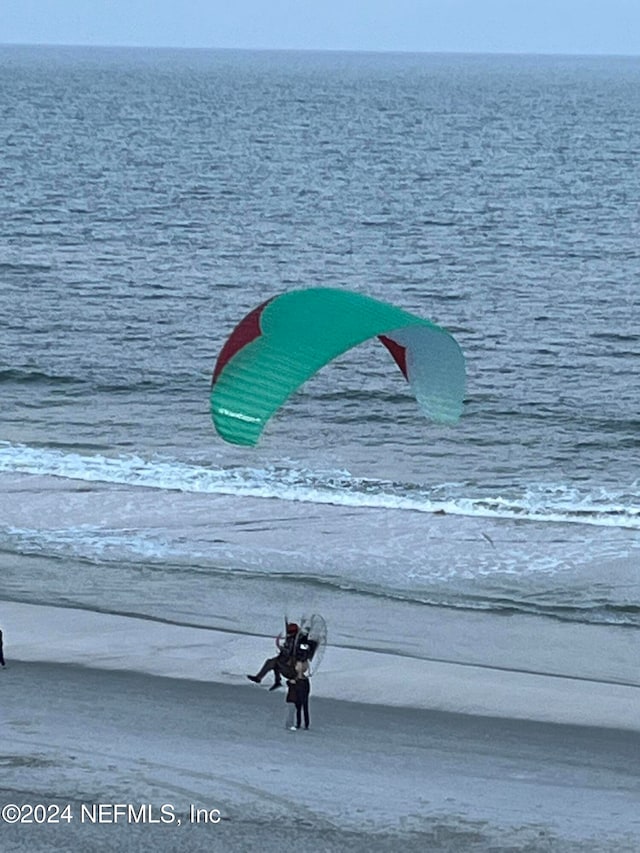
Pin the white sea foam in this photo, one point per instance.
(545, 503)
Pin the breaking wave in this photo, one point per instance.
(555, 503)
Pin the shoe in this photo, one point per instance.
(293, 728)
(275, 686)
(254, 678)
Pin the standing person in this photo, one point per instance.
(303, 689)
(290, 701)
(2, 663)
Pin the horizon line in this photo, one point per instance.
(342, 50)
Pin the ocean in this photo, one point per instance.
(151, 198)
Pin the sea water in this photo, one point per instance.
(151, 198)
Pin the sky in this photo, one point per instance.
(477, 26)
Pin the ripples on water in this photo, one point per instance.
(151, 198)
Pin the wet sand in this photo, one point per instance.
(364, 777)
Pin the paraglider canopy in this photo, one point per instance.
(284, 341)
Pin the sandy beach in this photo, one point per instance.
(366, 776)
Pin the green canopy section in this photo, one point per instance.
(284, 341)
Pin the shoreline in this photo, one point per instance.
(98, 641)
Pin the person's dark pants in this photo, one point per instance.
(282, 668)
(300, 708)
(267, 666)
(302, 703)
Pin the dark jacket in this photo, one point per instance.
(292, 691)
(287, 649)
